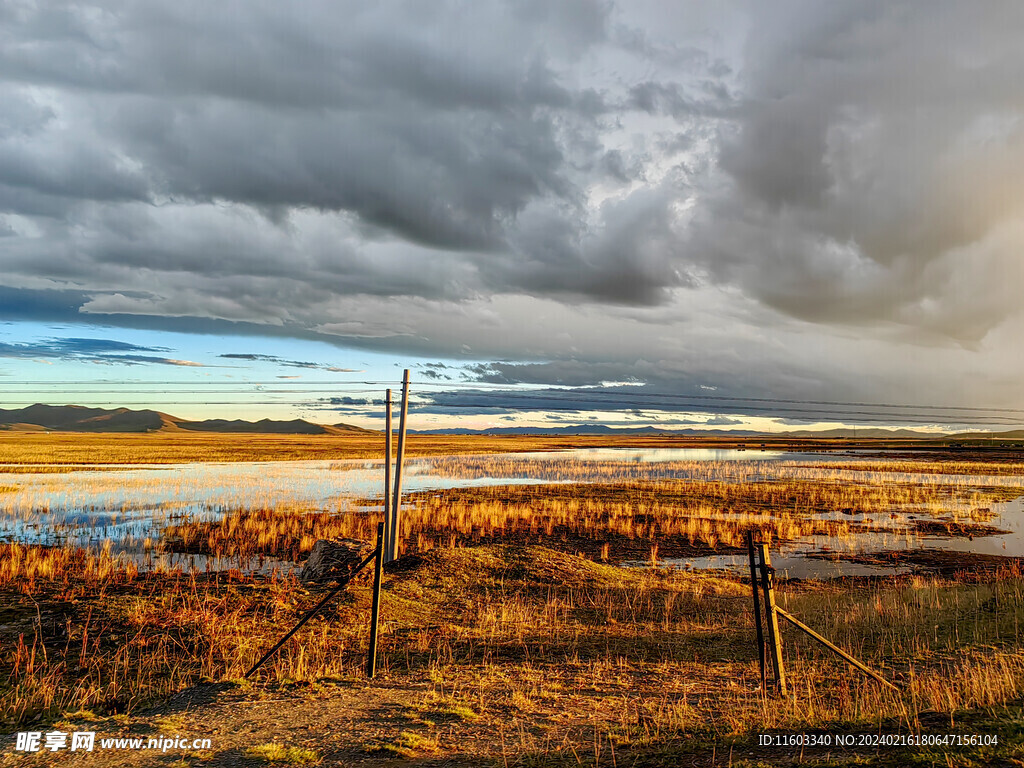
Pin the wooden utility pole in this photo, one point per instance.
(396, 498)
(774, 637)
(755, 588)
(387, 475)
(371, 657)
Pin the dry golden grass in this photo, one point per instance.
(90, 633)
(22, 566)
(73, 449)
(573, 469)
(593, 519)
(674, 651)
(607, 521)
(579, 653)
(561, 644)
(286, 534)
(977, 466)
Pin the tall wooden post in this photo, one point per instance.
(387, 475)
(396, 498)
(371, 658)
(772, 619)
(755, 588)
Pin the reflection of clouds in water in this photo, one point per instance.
(790, 558)
(726, 465)
(127, 505)
(120, 504)
(183, 486)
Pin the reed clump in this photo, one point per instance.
(23, 567)
(607, 520)
(287, 534)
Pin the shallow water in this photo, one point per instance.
(128, 505)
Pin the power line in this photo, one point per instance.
(520, 401)
(342, 387)
(515, 400)
(557, 400)
(726, 398)
(523, 402)
(859, 417)
(280, 381)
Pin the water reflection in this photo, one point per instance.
(130, 506)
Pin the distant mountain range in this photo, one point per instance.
(77, 418)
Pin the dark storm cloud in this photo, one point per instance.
(104, 351)
(353, 406)
(435, 371)
(67, 306)
(575, 400)
(251, 358)
(872, 171)
(722, 421)
(657, 406)
(142, 133)
(565, 373)
(690, 194)
(351, 401)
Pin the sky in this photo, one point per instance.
(735, 214)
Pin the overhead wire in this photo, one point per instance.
(518, 400)
(589, 392)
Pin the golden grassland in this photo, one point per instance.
(566, 655)
(608, 521)
(508, 627)
(576, 469)
(71, 449)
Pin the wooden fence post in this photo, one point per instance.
(396, 498)
(387, 475)
(755, 588)
(371, 657)
(772, 619)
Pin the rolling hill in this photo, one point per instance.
(77, 418)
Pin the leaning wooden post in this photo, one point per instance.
(387, 475)
(371, 657)
(396, 498)
(834, 648)
(772, 619)
(310, 614)
(754, 588)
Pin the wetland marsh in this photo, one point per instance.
(548, 589)
(829, 512)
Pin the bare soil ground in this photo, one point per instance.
(384, 724)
